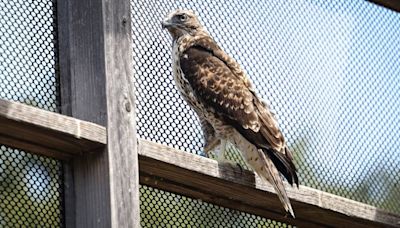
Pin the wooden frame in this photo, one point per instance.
(102, 158)
(96, 77)
(176, 171)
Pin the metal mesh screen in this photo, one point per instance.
(30, 185)
(30, 190)
(329, 69)
(164, 209)
(27, 53)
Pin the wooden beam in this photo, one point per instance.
(47, 133)
(96, 80)
(198, 177)
(391, 4)
(121, 114)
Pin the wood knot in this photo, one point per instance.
(124, 21)
(128, 106)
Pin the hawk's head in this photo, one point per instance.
(180, 22)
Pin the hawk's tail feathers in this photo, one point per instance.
(269, 173)
(284, 163)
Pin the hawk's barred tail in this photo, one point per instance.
(271, 174)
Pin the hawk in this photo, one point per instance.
(229, 110)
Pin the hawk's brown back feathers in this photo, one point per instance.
(230, 95)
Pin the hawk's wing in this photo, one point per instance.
(220, 83)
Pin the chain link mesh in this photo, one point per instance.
(329, 69)
(30, 185)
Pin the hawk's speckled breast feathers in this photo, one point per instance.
(222, 85)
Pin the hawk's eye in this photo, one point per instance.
(183, 17)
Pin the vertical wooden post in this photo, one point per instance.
(96, 71)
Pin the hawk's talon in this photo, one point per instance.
(205, 154)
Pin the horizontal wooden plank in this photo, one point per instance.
(47, 133)
(198, 177)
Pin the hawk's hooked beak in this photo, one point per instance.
(166, 24)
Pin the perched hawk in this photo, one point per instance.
(221, 94)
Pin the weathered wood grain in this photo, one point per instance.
(195, 176)
(47, 133)
(96, 73)
(34, 130)
(121, 116)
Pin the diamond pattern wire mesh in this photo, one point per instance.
(329, 69)
(30, 185)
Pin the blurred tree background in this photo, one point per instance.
(30, 190)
